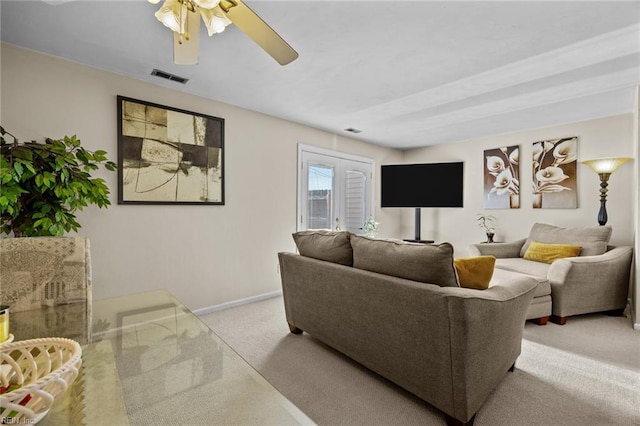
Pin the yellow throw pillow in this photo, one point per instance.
(475, 272)
(547, 253)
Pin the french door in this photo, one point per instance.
(335, 190)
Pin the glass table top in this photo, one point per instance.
(148, 360)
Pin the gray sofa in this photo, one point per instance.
(373, 301)
(595, 281)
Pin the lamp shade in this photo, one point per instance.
(171, 15)
(214, 19)
(606, 165)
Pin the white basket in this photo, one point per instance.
(43, 368)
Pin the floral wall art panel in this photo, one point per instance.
(502, 178)
(554, 172)
(168, 156)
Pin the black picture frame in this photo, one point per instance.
(168, 155)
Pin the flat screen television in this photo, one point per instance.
(422, 185)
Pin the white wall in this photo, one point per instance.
(606, 137)
(208, 255)
(205, 255)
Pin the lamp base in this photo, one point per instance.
(602, 214)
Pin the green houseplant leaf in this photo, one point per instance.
(44, 184)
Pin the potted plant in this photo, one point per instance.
(44, 184)
(487, 223)
(370, 227)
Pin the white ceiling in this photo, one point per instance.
(408, 74)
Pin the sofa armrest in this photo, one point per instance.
(587, 284)
(499, 250)
(486, 336)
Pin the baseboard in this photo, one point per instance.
(233, 303)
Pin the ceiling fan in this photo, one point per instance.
(183, 18)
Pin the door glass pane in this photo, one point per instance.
(320, 197)
(355, 190)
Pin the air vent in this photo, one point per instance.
(352, 130)
(169, 76)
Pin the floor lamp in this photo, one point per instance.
(604, 167)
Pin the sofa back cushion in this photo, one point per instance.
(428, 263)
(593, 239)
(332, 246)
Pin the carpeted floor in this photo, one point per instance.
(586, 372)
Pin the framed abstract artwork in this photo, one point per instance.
(502, 178)
(168, 155)
(554, 172)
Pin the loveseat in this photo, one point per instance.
(596, 280)
(397, 309)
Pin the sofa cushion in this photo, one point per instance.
(529, 267)
(504, 276)
(592, 239)
(547, 253)
(428, 263)
(332, 246)
(475, 272)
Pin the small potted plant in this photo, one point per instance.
(44, 184)
(488, 223)
(370, 227)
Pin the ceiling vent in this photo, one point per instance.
(169, 76)
(352, 130)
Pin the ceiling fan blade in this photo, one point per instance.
(187, 52)
(258, 30)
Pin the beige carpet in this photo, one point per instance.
(586, 372)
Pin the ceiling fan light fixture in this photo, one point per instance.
(183, 18)
(172, 15)
(214, 19)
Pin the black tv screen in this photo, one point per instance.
(422, 185)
